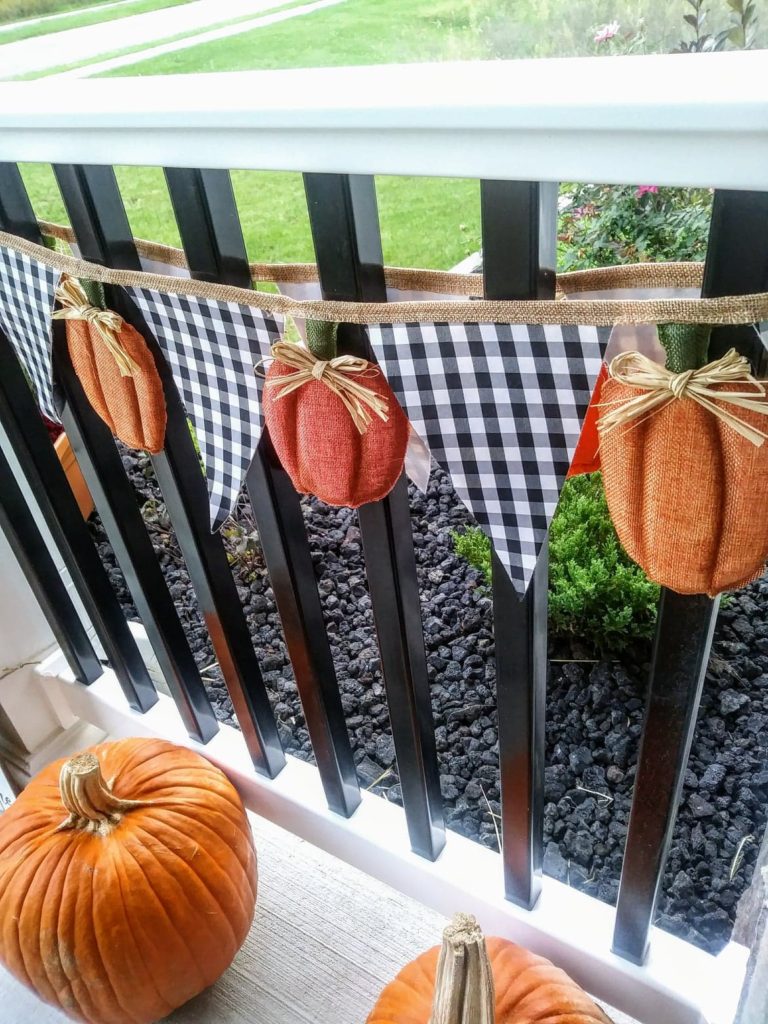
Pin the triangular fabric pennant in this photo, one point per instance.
(501, 407)
(27, 296)
(212, 348)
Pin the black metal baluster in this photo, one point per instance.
(208, 221)
(115, 501)
(737, 263)
(519, 225)
(49, 486)
(42, 469)
(16, 213)
(345, 230)
(29, 547)
(103, 233)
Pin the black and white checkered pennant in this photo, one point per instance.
(211, 348)
(27, 295)
(501, 407)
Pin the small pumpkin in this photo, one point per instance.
(686, 492)
(116, 369)
(332, 440)
(471, 980)
(127, 881)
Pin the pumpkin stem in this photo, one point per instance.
(464, 992)
(321, 338)
(88, 798)
(686, 345)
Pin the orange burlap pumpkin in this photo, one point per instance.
(320, 447)
(524, 988)
(687, 493)
(124, 894)
(132, 406)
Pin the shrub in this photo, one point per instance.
(474, 546)
(596, 592)
(601, 225)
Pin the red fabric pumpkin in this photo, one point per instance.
(321, 448)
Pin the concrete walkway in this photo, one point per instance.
(224, 32)
(92, 41)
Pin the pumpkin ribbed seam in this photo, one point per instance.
(135, 760)
(190, 867)
(97, 947)
(529, 986)
(170, 810)
(72, 851)
(80, 990)
(43, 959)
(20, 899)
(192, 957)
(198, 791)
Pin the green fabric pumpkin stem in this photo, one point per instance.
(95, 292)
(686, 345)
(321, 338)
(93, 289)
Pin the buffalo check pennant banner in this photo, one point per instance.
(27, 296)
(212, 348)
(501, 407)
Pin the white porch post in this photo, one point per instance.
(36, 726)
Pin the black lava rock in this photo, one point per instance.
(594, 711)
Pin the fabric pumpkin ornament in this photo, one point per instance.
(684, 464)
(127, 881)
(471, 981)
(115, 368)
(334, 421)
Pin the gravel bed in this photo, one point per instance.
(594, 709)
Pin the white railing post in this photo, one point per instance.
(36, 726)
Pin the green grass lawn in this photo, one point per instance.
(354, 32)
(429, 222)
(18, 10)
(90, 16)
(424, 222)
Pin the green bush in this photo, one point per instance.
(596, 592)
(601, 225)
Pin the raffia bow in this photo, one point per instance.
(75, 305)
(341, 375)
(661, 386)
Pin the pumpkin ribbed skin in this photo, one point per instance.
(321, 449)
(132, 407)
(687, 494)
(122, 928)
(529, 990)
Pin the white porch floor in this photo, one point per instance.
(325, 940)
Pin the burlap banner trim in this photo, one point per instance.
(637, 275)
(738, 309)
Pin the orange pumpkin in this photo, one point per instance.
(686, 492)
(132, 405)
(317, 441)
(127, 881)
(473, 981)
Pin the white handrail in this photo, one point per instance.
(698, 119)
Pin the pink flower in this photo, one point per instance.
(643, 189)
(606, 32)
